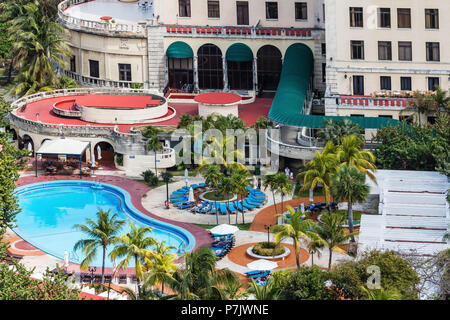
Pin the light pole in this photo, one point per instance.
(267, 227)
(92, 270)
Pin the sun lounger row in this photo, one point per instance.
(222, 245)
(258, 274)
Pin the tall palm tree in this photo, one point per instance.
(296, 228)
(39, 43)
(135, 245)
(335, 130)
(199, 279)
(270, 182)
(154, 145)
(101, 232)
(241, 179)
(213, 176)
(226, 187)
(315, 245)
(350, 153)
(333, 234)
(319, 171)
(283, 186)
(348, 184)
(159, 265)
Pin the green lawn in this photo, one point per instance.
(356, 214)
(180, 173)
(213, 196)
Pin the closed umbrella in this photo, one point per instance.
(191, 195)
(186, 176)
(223, 229)
(302, 207)
(29, 146)
(99, 152)
(262, 264)
(66, 259)
(311, 195)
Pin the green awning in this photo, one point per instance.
(179, 50)
(287, 105)
(239, 52)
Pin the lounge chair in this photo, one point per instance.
(231, 208)
(223, 208)
(186, 205)
(250, 205)
(206, 208)
(239, 206)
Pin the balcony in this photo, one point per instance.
(239, 32)
(99, 82)
(137, 29)
(368, 102)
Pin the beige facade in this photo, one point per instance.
(370, 26)
(170, 13)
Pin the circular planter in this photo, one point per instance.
(218, 201)
(281, 256)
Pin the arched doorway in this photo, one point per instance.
(210, 67)
(239, 58)
(269, 68)
(104, 154)
(26, 143)
(180, 66)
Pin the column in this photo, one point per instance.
(196, 89)
(225, 74)
(255, 74)
(166, 71)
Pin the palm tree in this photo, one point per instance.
(213, 176)
(241, 179)
(283, 186)
(442, 100)
(101, 233)
(381, 294)
(39, 42)
(333, 234)
(154, 145)
(297, 228)
(348, 184)
(135, 245)
(421, 104)
(335, 130)
(160, 266)
(315, 245)
(319, 171)
(199, 279)
(350, 153)
(268, 291)
(226, 187)
(269, 181)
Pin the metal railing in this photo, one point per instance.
(96, 26)
(371, 102)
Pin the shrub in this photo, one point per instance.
(306, 283)
(150, 178)
(268, 249)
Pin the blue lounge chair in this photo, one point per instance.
(179, 202)
(214, 209)
(255, 200)
(223, 208)
(231, 208)
(247, 205)
(248, 202)
(250, 273)
(202, 185)
(206, 208)
(194, 186)
(186, 205)
(198, 207)
(239, 206)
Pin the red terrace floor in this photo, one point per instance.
(137, 191)
(247, 112)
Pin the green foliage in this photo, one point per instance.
(415, 148)
(64, 82)
(17, 284)
(397, 275)
(335, 130)
(268, 249)
(150, 178)
(306, 283)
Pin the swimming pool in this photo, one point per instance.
(51, 209)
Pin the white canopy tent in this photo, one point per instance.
(63, 146)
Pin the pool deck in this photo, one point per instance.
(136, 190)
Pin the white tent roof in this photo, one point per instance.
(63, 146)
(262, 264)
(223, 229)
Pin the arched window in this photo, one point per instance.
(180, 68)
(269, 67)
(210, 71)
(240, 67)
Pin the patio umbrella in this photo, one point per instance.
(29, 146)
(191, 195)
(311, 195)
(186, 176)
(224, 229)
(302, 207)
(93, 159)
(262, 264)
(255, 183)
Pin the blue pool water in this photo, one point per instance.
(51, 209)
